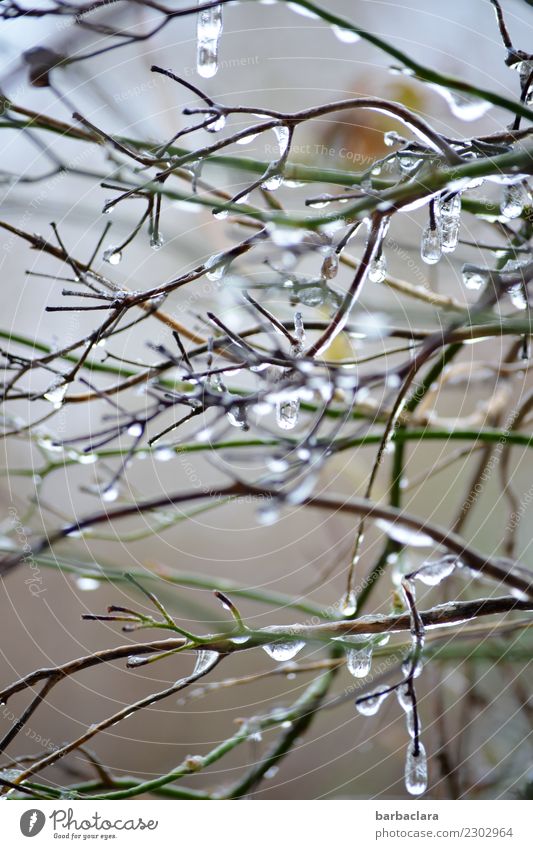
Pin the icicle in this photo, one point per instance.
(450, 216)
(430, 246)
(209, 27)
(358, 661)
(514, 199)
(282, 134)
(285, 650)
(416, 770)
(432, 573)
(377, 269)
(287, 410)
(371, 704)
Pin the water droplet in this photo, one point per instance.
(407, 161)
(87, 584)
(474, 278)
(56, 394)
(87, 459)
(156, 241)
(518, 296)
(217, 125)
(302, 10)
(371, 704)
(135, 429)
(287, 413)
(349, 604)
(247, 139)
(358, 661)
(272, 772)
(462, 106)
(432, 573)
(377, 269)
(430, 246)
(112, 256)
(267, 514)
(236, 416)
(240, 640)
(283, 650)
(110, 493)
(347, 36)
(391, 138)
(272, 182)
(404, 535)
(163, 455)
(416, 770)
(204, 660)
(208, 30)
(221, 214)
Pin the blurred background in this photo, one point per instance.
(272, 57)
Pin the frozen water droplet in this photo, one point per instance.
(283, 650)
(236, 416)
(217, 125)
(87, 584)
(156, 241)
(267, 514)
(377, 269)
(287, 413)
(450, 217)
(208, 30)
(56, 394)
(432, 573)
(358, 661)
(112, 256)
(416, 770)
(392, 137)
(282, 134)
(110, 494)
(221, 214)
(518, 296)
(330, 266)
(474, 278)
(404, 698)
(371, 703)
(285, 237)
(204, 659)
(408, 669)
(135, 429)
(462, 106)
(272, 182)
(514, 199)
(302, 10)
(163, 455)
(404, 535)
(407, 161)
(347, 36)
(349, 604)
(430, 246)
(87, 459)
(240, 640)
(272, 772)
(312, 296)
(247, 139)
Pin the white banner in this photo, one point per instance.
(498, 824)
